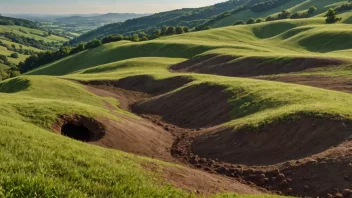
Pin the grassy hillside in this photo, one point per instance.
(284, 38)
(216, 86)
(190, 17)
(19, 39)
(41, 163)
(292, 6)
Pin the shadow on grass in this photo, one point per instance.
(14, 85)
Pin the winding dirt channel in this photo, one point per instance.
(310, 156)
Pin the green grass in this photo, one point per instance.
(37, 162)
(292, 6)
(2, 66)
(284, 38)
(31, 33)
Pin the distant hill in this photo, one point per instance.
(19, 22)
(104, 18)
(19, 39)
(190, 17)
(70, 26)
(218, 15)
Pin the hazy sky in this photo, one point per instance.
(97, 6)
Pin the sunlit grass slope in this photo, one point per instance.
(292, 6)
(254, 101)
(284, 38)
(31, 33)
(37, 162)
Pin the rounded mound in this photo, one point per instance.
(14, 85)
(196, 106)
(252, 66)
(80, 128)
(146, 84)
(274, 143)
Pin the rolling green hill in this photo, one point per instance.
(237, 111)
(292, 6)
(19, 39)
(208, 86)
(218, 15)
(190, 17)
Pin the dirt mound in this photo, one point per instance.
(128, 134)
(80, 128)
(322, 175)
(195, 106)
(138, 136)
(274, 143)
(325, 82)
(251, 66)
(145, 84)
(295, 155)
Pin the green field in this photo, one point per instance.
(31, 33)
(36, 162)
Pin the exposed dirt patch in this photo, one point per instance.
(147, 137)
(251, 66)
(195, 106)
(128, 134)
(274, 143)
(80, 128)
(325, 82)
(145, 84)
(137, 136)
(200, 182)
(308, 157)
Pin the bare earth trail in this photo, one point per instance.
(148, 136)
(289, 164)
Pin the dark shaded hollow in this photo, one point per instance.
(77, 132)
(145, 84)
(80, 128)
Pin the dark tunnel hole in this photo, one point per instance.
(77, 132)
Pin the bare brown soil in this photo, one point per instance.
(274, 143)
(325, 82)
(193, 107)
(200, 182)
(308, 157)
(250, 66)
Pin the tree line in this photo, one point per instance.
(8, 73)
(284, 14)
(267, 5)
(19, 50)
(40, 44)
(42, 58)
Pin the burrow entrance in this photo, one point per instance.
(80, 128)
